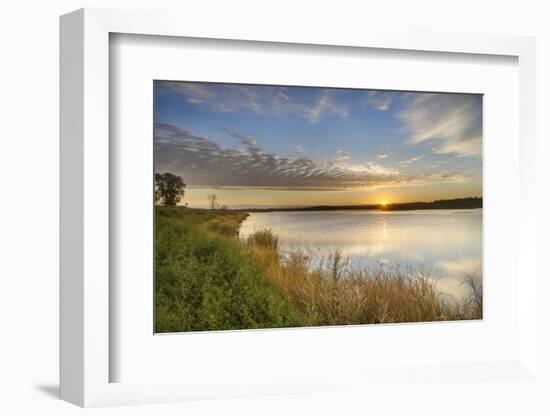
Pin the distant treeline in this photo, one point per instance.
(458, 203)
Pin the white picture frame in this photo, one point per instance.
(85, 211)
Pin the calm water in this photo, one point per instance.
(446, 243)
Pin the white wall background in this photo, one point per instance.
(29, 182)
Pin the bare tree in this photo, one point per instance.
(213, 198)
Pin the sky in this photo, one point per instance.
(281, 146)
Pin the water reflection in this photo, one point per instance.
(448, 243)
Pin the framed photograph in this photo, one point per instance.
(279, 214)
(329, 206)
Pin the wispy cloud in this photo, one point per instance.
(203, 162)
(325, 104)
(264, 100)
(380, 100)
(341, 155)
(407, 162)
(247, 140)
(369, 167)
(452, 122)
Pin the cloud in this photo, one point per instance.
(312, 105)
(382, 155)
(369, 167)
(325, 104)
(451, 122)
(298, 149)
(247, 140)
(407, 162)
(283, 96)
(203, 162)
(341, 155)
(380, 100)
(464, 146)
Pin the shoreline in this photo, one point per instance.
(207, 278)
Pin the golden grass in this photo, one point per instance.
(332, 293)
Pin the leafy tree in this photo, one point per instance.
(169, 188)
(213, 198)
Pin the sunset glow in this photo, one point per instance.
(267, 146)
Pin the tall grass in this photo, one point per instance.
(330, 292)
(206, 278)
(474, 302)
(263, 239)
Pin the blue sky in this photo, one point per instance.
(292, 146)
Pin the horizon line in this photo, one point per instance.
(341, 206)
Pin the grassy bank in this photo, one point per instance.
(208, 279)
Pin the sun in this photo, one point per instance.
(383, 203)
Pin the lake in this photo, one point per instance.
(445, 243)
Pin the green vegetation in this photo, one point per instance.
(209, 279)
(206, 280)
